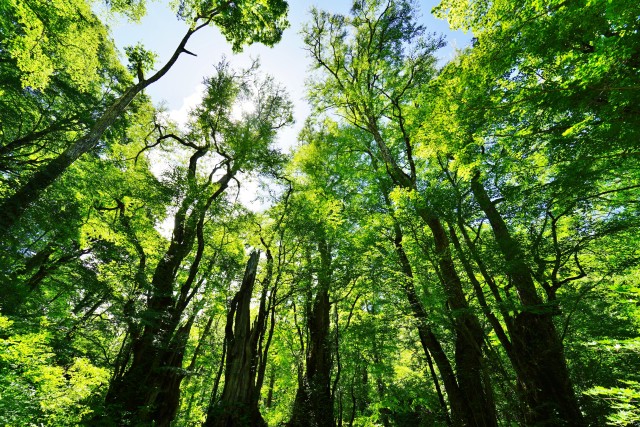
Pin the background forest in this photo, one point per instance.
(446, 245)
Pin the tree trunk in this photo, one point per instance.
(14, 207)
(538, 352)
(313, 405)
(148, 393)
(216, 383)
(238, 405)
(272, 383)
(149, 390)
(469, 333)
(430, 343)
(381, 389)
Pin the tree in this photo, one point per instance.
(370, 80)
(527, 115)
(239, 26)
(148, 389)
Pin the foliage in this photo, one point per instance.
(418, 198)
(624, 402)
(44, 38)
(37, 391)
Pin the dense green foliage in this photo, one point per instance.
(450, 244)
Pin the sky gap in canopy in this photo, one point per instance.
(160, 31)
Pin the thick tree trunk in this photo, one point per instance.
(313, 405)
(149, 390)
(148, 393)
(238, 406)
(538, 353)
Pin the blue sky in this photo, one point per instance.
(160, 31)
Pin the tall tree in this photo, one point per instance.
(369, 78)
(148, 390)
(531, 132)
(240, 26)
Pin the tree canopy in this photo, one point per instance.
(448, 243)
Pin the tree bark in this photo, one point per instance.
(238, 405)
(313, 405)
(538, 354)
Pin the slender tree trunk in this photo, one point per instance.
(14, 206)
(192, 366)
(353, 404)
(216, 383)
(434, 378)
(272, 382)
(469, 333)
(430, 343)
(380, 386)
(538, 353)
(340, 410)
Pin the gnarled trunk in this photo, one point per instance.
(238, 405)
(148, 393)
(313, 405)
